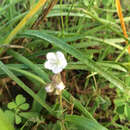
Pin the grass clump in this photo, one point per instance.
(92, 38)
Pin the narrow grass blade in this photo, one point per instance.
(28, 74)
(84, 123)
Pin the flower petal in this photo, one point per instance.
(60, 86)
(60, 55)
(51, 56)
(47, 65)
(49, 88)
(57, 70)
(62, 59)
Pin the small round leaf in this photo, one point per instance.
(12, 105)
(20, 99)
(24, 106)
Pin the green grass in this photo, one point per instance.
(88, 32)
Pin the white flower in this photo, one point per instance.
(49, 88)
(59, 88)
(55, 62)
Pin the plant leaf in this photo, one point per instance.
(12, 105)
(84, 122)
(24, 106)
(5, 123)
(20, 99)
(36, 107)
(127, 111)
(10, 115)
(30, 115)
(18, 119)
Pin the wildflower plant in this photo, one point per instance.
(55, 62)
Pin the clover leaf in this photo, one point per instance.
(20, 99)
(17, 106)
